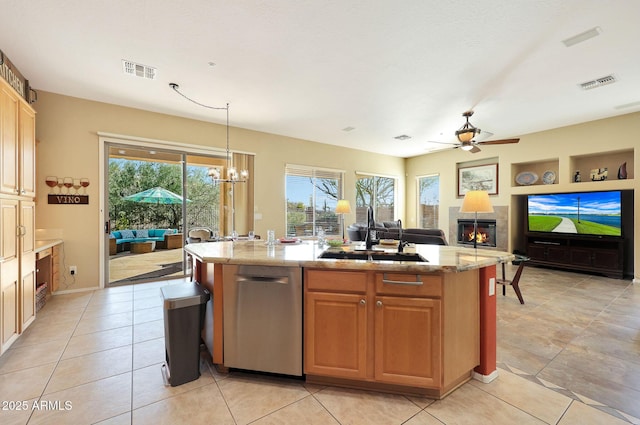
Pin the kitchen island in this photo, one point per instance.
(402, 326)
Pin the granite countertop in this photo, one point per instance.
(42, 244)
(305, 254)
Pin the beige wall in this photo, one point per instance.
(68, 145)
(601, 136)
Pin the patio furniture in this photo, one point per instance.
(142, 247)
(164, 238)
(199, 234)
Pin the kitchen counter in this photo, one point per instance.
(456, 287)
(43, 244)
(305, 254)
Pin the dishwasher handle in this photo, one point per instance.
(262, 279)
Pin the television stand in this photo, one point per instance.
(602, 255)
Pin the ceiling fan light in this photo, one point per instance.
(466, 146)
(465, 135)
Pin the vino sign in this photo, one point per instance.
(68, 199)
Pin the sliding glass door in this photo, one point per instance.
(156, 197)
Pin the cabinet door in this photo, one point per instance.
(27, 264)
(27, 152)
(581, 256)
(537, 252)
(606, 259)
(335, 335)
(557, 254)
(408, 344)
(9, 157)
(9, 273)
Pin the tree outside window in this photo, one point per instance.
(429, 201)
(312, 196)
(378, 192)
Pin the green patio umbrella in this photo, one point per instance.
(156, 195)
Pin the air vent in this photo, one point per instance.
(138, 70)
(597, 83)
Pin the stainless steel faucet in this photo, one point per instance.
(368, 240)
(400, 243)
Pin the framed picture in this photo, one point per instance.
(480, 177)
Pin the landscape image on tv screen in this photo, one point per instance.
(587, 213)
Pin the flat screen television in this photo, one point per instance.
(578, 213)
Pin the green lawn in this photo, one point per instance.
(543, 223)
(539, 223)
(590, 227)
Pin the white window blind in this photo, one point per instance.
(312, 195)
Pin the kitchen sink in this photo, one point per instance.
(373, 256)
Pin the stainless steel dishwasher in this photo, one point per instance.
(263, 318)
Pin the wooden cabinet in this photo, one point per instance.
(9, 269)
(17, 144)
(26, 236)
(391, 329)
(407, 341)
(55, 268)
(27, 151)
(17, 215)
(341, 319)
(9, 157)
(590, 254)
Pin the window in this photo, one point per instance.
(428, 201)
(378, 192)
(312, 195)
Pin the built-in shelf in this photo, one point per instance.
(565, 176)
(539, 168)
(612, 161)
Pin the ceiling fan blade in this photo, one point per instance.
(499, 142)
(474, 149)
(443, 143)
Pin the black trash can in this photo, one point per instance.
(184, 308)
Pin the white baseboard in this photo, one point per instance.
(485, 379)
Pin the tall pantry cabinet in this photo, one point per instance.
(17, 215)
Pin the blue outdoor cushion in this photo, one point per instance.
(116, 235)
(142, 233)
(127, 234)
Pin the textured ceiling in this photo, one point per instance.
(309, 69)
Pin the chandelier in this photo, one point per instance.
(216, 173)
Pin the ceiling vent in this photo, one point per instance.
(138, 70)
(402, 137)
(609, 79)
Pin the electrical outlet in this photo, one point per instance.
(73, 270)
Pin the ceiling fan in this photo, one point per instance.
(467, 133)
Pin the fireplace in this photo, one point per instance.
(486, 234)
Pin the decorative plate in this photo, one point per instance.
(289, 240)
(549, 177)
(526, 178)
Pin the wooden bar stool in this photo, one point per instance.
(516, 278)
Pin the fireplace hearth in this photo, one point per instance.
(486, 235)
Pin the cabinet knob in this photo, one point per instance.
(379, 303)
(363, 302)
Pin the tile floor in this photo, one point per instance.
(568, 356)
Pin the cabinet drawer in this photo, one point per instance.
(416, 285)
(342, 281)
(43, 254)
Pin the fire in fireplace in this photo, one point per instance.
(485, 236)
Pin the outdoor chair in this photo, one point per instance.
(199, 234)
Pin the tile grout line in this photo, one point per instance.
(84, 309)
